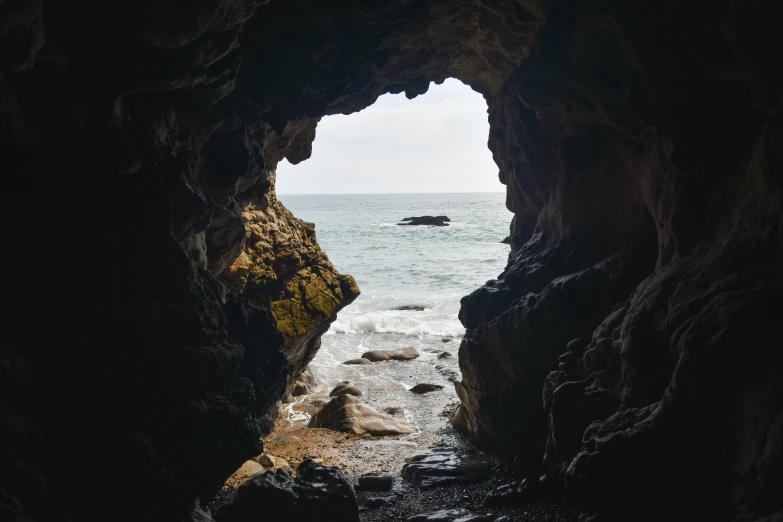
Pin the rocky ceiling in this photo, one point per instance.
(630, 350)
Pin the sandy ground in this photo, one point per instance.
(384, 384)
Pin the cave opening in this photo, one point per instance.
(369, 171)
(627, 360)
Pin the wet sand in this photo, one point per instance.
(384, 385)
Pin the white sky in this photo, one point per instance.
(436, 142)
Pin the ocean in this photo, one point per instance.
(428, 268)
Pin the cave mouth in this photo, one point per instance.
(628, 354)
(368, 172)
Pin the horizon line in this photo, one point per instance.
(383, 193)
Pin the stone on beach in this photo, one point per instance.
(405, 354)
(345, 389)
(426, 388)
(349, 414)
(360, 360)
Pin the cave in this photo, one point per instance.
(626, 354)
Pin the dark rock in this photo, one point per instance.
(444, 355)
(348, 414)
(435, 221)
(316, 490)
(414, 308)
(394, 411)
(451, 515)
(345, 388)
(446, 339)
(375, 502)
(426, 388)
(375, 483)
(445, 466)
(406, 354)
(448, 373)
(360, 360)
(642, 172)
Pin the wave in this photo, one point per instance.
(399, 322)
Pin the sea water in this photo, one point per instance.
(428, 268)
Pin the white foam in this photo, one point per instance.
(384, 321)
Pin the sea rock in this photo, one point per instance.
(411, 308)
(445, 466)
(317, 493)
(450, 515)
(375, 483)
(444, 355)
(435, 221)
(426, 388)
(360, 360)
(249, 469)
(345, 388)
(405, 354)
(348, 414)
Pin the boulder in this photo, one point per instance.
(406, 354)
(317, 494)
(304, 384)
(360, 360)
(426, 388)
(444, 355)
(434, 221)
(345, 388)
(445, 466)
(349, 414)
(272, 462)
(249, 469)
(410, 308)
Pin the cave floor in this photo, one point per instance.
(383, 385)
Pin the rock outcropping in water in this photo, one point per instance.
(629, 351)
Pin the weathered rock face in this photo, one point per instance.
(283, 267)
(640, 146)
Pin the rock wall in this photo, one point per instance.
(283, 267)
(640, 146)
(629, 345)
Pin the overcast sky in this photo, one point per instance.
(436, 142)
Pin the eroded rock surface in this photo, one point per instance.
(282, 266)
